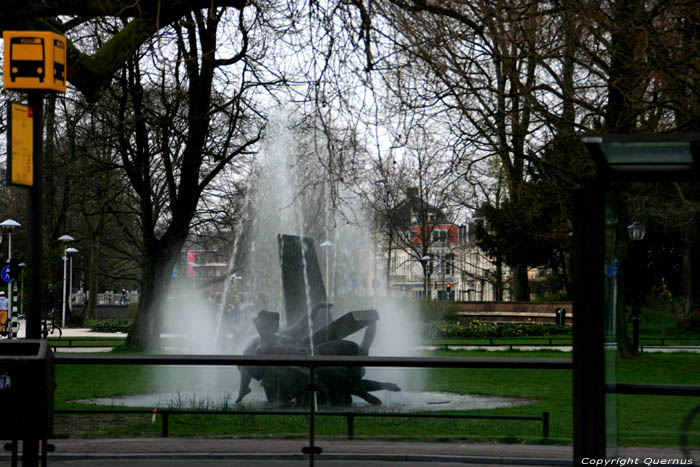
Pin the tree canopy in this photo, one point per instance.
(91, 70)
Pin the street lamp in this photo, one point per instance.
(70, 252)
(21, 293)
(8, 225)
(65, 239)
(426, 275)
(327, 245)
(636, 231)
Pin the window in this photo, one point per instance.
(439, 236)
(449, 263)
(462, 235)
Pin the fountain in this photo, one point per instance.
(313, 331)
(281, 275)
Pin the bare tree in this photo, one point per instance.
(169, 150)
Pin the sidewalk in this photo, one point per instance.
(70, 332)
(277, 452)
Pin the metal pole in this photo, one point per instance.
(9, 257)
(12, 312)
(30, 446)
(635, 328)
(70, 285)
(65, 267)
(588, 305)
(21, 294)
(35, 224)
(312, 412)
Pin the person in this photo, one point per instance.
(4, 303)
(124, 297)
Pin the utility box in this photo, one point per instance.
(26, 389)
(34, 60)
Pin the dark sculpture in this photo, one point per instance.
(284, 386)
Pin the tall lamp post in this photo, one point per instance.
(8, 225)
(21, 290)
(426, 274)
(70, 251)
(327, 245)
(636, 232)
(65, 239)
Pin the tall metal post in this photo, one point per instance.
(35, 222)
(30, 447)
(65, 277)
(70, 286)
(588, 307)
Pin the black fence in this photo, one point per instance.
(314, 362)
(350, 417)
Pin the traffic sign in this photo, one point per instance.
(5, 273)
(34, 60)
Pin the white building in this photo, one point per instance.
(455, 267)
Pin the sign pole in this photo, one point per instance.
(34, 61)
(34, 215)
(30, 449)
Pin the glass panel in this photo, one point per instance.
(648, 153)
(610, 335)
(650, 336)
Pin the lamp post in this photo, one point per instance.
(8, 225)
(327, 245)
(426, 275)
(70, 251)
(636, 232)
(65, 239)
(21, 290)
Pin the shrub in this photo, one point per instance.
(110, 325)
(438, 311)
(486, 329)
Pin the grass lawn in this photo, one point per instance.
(643, 420)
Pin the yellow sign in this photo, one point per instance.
(20, 145)
(34, 60)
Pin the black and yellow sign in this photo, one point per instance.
(34, 60)
(20, 145)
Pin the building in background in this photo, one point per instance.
(417, 249)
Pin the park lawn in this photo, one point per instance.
(643, 420)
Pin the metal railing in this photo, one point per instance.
(350, 416)
(314, 362)
(504, 342)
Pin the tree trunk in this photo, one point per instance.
(157, 277)
(93, 284)
(689, 309)
(498, 283)
(521, 284)
(388, 263)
